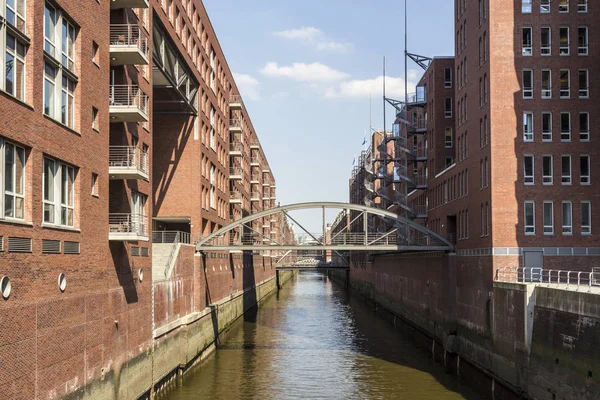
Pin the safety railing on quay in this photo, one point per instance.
(564, 279)
(126, 35)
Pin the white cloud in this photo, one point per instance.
(248, 85)
(315, 72)
(315, 37)
(394, 87)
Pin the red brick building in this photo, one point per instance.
(122, 132)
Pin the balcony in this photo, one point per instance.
(128, 45)
(255, 162)
(235, 198)
(254, 145)
(419, 211)
(235, 102)
(255, 179)
(255, 196)
(420, 182)
(369, 186)
(235, 125)
(115, 4)
(235, 173)
(420, 153)
(236, 149)
(418, 126)
(125, 162)
(127, 228)
(128, 103)
(418, 99)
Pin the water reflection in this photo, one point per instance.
(313, 341)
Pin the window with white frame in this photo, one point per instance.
(567, 218)
(59, 66)
(586, 218)
(12, 180)
(448, 107)
(529, 218)
(584, 85)
(546, 126)
(212, 186)
(527, 84)
(565, 83)
(546, 84)
(528, 126)
(548, 218)
(527, 41)
(582, 6)
(212, 128)
(544, 6)
(528, 168)
(563, 6)
(565, 170)
(59, 193)
(564, 41)
(526, 6)
(565, 126)
(13, 48)
(447, 78)
(584, 169)
(584, 126)
(547, 170)
(546, 41)
(448, 137)
(582, 40)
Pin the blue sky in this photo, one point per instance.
(306, 69)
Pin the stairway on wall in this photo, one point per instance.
(160, 260)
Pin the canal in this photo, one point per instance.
(314, 341)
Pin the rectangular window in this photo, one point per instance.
(582, 40)
(527, 84)
(584, 88)
(528, 127)
(212, 187)
(67, 103)
(14, 82)
(526, 7)
(95, 53)
(564, 41)
(528, 168)
(12, 180)
(565, 84)
(95, 125)
(563, 6)
(95, 191)
(59, 193)
(546, 127)
(212, 128)
(586, 218)
(448, 107)
(447, 78)
(548, 218)
(582, 6)
(68, 44)
(565, 170)
(530, 218)
(546, 41)
(50, 18)
(527, 41)
(565, 126)
(584, 126)
(547, 170)
(49, 89)
(546, 84)
(448, 138)
(567, 218)
(545, 6)
(584, 169)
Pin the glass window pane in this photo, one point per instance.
(10, 73)
(19, 170)
(9, 167)
(8, 206)
(48, 180)
(19, 207)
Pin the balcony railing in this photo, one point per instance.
(235, 173)
(255, 178)
(255, 161)
(420, 153)
(235, 197)
(116, 4)
(254, 144)
(255, 196)
(236, 148)
(235, 102)
(128, 45)
(418, 125)
(128, 103)
(170, 237)
(418, 98)
(124, 227)
(127, 160)
(235, 125)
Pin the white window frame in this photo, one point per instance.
(527, 48)
(546, 50)
(212, 128)
(529, 228)
(547, 133)
(547, 92)
(583, 50)
(19, 53)
(544, 6)
(4, 190)
(564, 50)
(58, 184)
(526, 6)
(548, 179)
(548, 225)
(584, 135)
(448, 144)
(566, 179)
(563, 8)
(565, 135)
(212, 191)
(565, 93)
(447, 112)
(527, 92)
(528, 134)
(582, 6)
(447, 82)
(567, 223)
(585, 179)
(586, 229)
(584, 93)
(529, 178)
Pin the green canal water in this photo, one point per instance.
(314, 341)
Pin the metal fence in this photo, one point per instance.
(128, 157)
(170, 237)
(549, 277)
(127, 224)
(124, 35)
(126, 96)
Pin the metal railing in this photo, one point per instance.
(418, 124)
(121, 223)
(419, 209)
(549, 277)
(235, 98)
(255, 177)
(235, 196)
(235, 171)
(127, 96)
(369, 186)
(255, 196)
(128, 157)
(124, 35)
(419, 97)
(236, 147)
(420, 152)
(235, 123)
(255, 160)
(171, 237)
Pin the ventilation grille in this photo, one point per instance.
(51, 246)
(135, 251)
(72, 247)
(1, 243)
(145, 252)
(19, 245)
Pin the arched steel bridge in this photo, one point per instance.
(365, 229)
